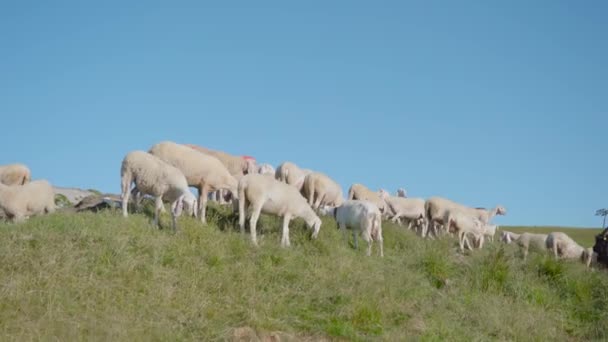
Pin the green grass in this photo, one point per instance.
(103, 277)
(584, 236)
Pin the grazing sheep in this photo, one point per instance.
(14, 174)
(204, 172)
(490, 231)
(19, 202)
(320, 190)
(436, 209)
(362, 217)
(154, 177)
(238, 166)
(266, 169)
(527, 240)
(564, 247)
(508, 237)
(291, 174)
(463, 224)
(361, 192)
(412, 209)
(401, 192)
(273, 197)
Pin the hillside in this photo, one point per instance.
(99, 276)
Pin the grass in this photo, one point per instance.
(103, 277)
(584, 236)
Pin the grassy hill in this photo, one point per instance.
(102, 277)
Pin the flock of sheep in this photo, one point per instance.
(168, 170)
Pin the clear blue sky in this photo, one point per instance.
(502, 103)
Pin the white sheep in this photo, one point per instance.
(204, 172)
(436, 209)
(411, 209)
(359, 191)
(266, 169)
(238, 166)
(154, 177)
(320, 190)
(14, 174)
(364, 218)
(508, 237)
(490, 231)
(463, 224)
(526, 240)
(291, 174)
(19, 202)
(268, 195)
(564, 247)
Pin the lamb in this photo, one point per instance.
(464, 224)
(19, 202)
(320, 190)
(526, 240)
(290, 173)
(204, 172)
(14, 174)
(508, 237)
(411, 209)
(273, 197)
(157, 178)
(563, 246)
(436, 209)
(362, 217)
(490, 231)
(266, 169)
(361, 192)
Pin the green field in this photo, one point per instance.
(584, 236)
(103, 277)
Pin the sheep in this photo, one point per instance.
(490, 231)
(238, 166)
(271, 196)
(290, 173)
(362, 217)
(19, 202)
(401, 192)
(204, 172)
(563, 246)
(526, 240)
(464, 224)
(436, 209)
(411, 209)
(361, 192)
(508, 237)
(266, 169)
(157, 178)
(320, 190)
(14, 174)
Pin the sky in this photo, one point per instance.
(482, 102)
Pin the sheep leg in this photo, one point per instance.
(203, 198)
(285, 238)
(555, 251)
(355, 238)
(242, 210)
(158, 205)
(253, 221)
(125, 183)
